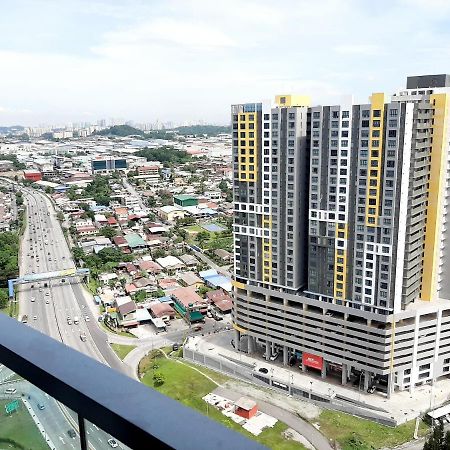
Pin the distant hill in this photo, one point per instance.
(120, 130)
(197, 130)
(12, 129)
(210, 130)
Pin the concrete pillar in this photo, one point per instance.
(251, 344)
(324, 370)
(390, 386)
(285, 356)
(303, 368)
(237, 338)
(366, 380)
(268, 350)
(344, 374)
(272, 348)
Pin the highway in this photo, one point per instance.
(49, 306)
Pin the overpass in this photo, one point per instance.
(35, 277)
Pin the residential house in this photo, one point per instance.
(135, 242)
(126, 311)
(223, 254)
(189, 260)
(190, 279)
(170, 264)
(221, 300)
(168, 284)
(189, 304)
(171, 213)
(162, 311)
(150, 267)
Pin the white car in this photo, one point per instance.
(87, 319)
(113, 443)
(47, 294)
(47, 301)
(33, 299)
(34, 317)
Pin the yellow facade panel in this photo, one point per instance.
(440, 104)
(292, 100)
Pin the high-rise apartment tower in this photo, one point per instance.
(341, 234)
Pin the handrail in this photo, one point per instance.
(135, 414)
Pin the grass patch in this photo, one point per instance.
(122, 350)
(194, 229)
(186, 385)
(93, 285)
(19, 429)
(342, 427)
(118, 332)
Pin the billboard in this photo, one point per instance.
(314, 361)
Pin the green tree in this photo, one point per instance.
(158, 253)
(436, 440)
(158, 378)
(19, 198)
(166, 155)
(60, 216)
(202, 237)
(78, 254)
(3, 298)
(108, 232)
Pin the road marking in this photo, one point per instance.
(62, 440)
(99, 439)
(96, 427)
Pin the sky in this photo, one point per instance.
(187, 60)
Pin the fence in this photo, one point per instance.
(242, 371)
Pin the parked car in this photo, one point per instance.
(113, 443)
(263, 370)
(175, 347)
(41, 406)
(198, 328)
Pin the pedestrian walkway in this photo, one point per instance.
(310, 433)
(402, 406)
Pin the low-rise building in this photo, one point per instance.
(190, 279)
(126, 311)
(171, 213)
(189, 304)
(170, 263)
(162, 311)
(184, 200)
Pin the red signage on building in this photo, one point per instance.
(314, 361)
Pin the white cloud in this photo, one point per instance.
(359, 49)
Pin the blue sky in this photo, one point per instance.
(182, 60)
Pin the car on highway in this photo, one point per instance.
(113, 443)
(34, 317)
(72, 433)
(87, 319)
(10, 391)
(263, 370)
(69, 321)
(33, 299)
(41, 406)
(40, 289)
(47, 294)
(83, 337)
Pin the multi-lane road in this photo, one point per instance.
(51, 307)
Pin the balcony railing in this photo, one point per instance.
(138, 416)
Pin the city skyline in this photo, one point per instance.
(184, 61)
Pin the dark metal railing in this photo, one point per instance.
(137, 415)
